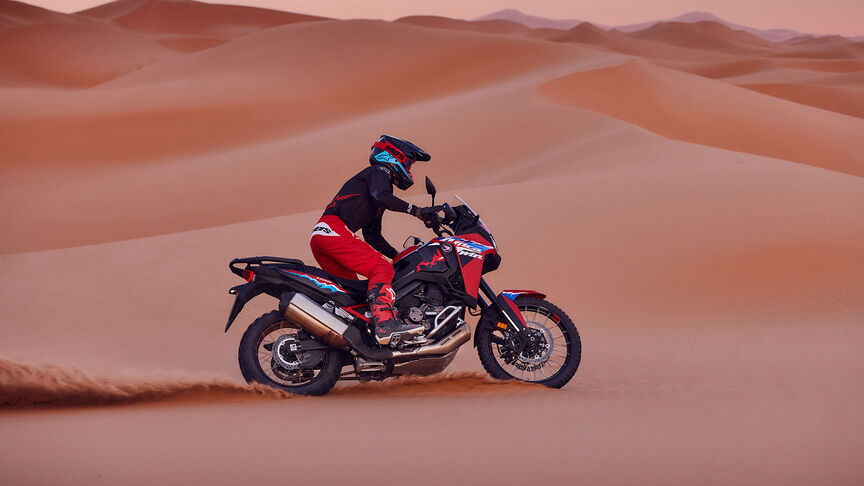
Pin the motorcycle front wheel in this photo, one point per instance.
(547, 353)
(259, 364)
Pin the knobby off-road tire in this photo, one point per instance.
(487, 350)
(252, 369)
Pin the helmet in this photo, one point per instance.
(397, 156)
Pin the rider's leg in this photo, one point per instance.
(337, 247)
(330, 265)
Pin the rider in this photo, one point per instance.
(360, 204)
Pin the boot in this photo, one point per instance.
(385, 325)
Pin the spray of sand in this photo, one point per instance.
(50, 385)
(24, 385)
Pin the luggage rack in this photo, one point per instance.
(261, 261)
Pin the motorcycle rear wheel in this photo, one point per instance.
(257, 368)
(564, 349)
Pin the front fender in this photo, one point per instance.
(505, 303)
(512, 294)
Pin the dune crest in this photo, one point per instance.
(694, 109)
(848, 101)
(73, 54)
(206, 102)
(706, 35)
(15, 14)
(188, 17)
(488, 26)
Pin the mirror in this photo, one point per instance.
(430, 188)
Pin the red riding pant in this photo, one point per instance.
(341, 253)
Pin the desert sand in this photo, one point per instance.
(692, 196)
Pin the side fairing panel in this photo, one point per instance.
(471, 255)
(319, 286)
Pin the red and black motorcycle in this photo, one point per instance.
(321, 332)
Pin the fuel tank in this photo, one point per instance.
(432, 257)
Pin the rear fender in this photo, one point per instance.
(244, 293)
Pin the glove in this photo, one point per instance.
(426, 214)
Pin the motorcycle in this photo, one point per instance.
(321, 331)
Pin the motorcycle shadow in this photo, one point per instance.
(457, 383)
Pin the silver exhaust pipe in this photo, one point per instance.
(306, 313)
(309, 315)
(446, 345)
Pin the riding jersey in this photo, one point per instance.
(361, 202)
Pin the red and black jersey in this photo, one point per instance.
(361, 202)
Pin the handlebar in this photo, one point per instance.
(436, 222)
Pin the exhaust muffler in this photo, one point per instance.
(306, 313)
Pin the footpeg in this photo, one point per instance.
(416, 341)
(395, 339)
(363, 366)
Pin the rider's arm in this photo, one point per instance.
(372, 235)
(382, 190)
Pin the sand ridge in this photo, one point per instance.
(713, 113)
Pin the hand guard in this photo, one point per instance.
(426, 214)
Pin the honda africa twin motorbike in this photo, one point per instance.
(321, 331)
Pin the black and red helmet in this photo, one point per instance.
(397, 156)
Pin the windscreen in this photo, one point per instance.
(479, 220)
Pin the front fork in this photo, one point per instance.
(499, 313)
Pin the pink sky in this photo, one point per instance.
(816, 16)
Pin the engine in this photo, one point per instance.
(422, 306)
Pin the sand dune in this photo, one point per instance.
(73, 54)
(16, 14)
(689, 194)
(848, 101)
(713, 113)
(212, 108)
(189, 17)
(726, 68)
(827, 46)
(827, 65)
(615, 41)
(706, 35)
(488, 26)
(587, 33)
(191, 43)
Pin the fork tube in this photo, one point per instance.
(487, 291)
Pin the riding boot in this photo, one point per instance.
(385, 324)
